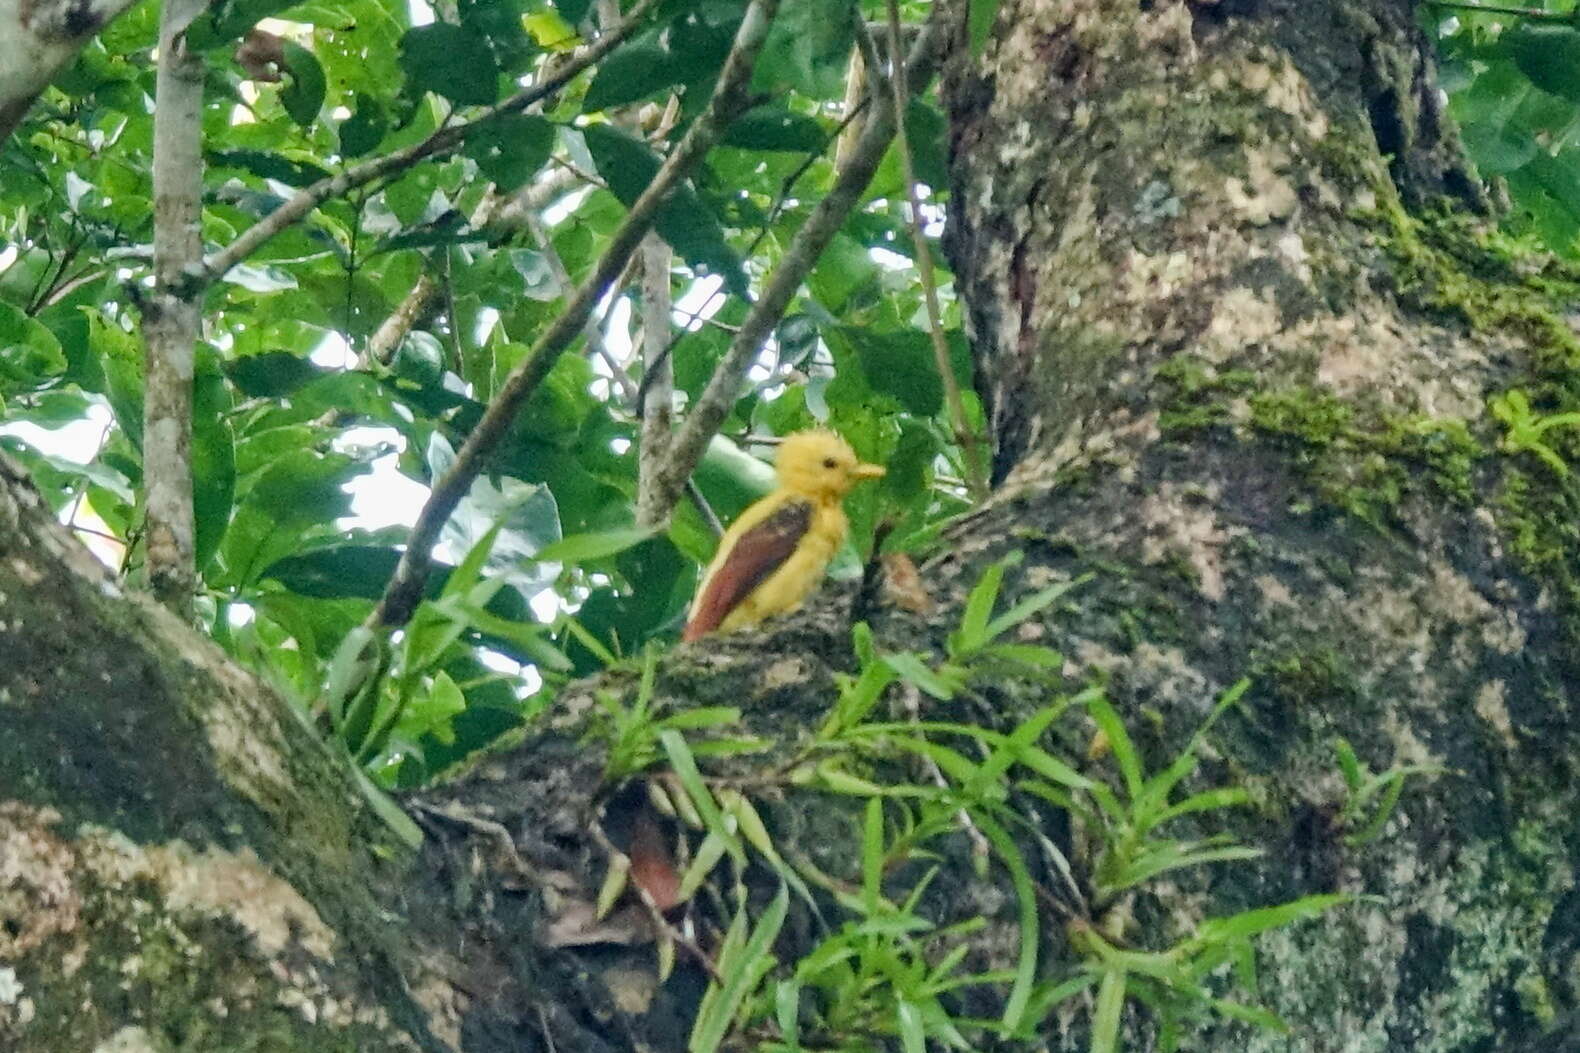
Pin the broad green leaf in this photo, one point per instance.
(690, 227)
(1549, 54)
(29, 353)
(510, 149)
(772, 127)
(303, 96)
(979, 22)
(633, 72)
(365, 128)
(452, 61)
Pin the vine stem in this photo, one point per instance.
(970, 442)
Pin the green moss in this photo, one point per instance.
(1363, 459)
(1463, 270)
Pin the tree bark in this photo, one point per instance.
(1238, 357)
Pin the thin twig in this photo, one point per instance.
(970, 442)
(730, 97)
(827, 217)
(438, 144)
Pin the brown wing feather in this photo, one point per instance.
(758, 553)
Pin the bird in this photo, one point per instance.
(774, 555)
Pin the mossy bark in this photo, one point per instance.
(1238, 318)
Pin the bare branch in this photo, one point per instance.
(501, 212)
(703, 421)
(172, 315)
(657, 407)
(730, 97)
(438, 144)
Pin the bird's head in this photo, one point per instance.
(821, 465)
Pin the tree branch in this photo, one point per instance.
(657, 407)
(438, 144)
(38, 38)
(730, 97)
(702, 423)
(172, 314)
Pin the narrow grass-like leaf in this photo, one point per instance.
(1206, 801)
(911, 667)
(1251, 922)
(742, 970)
(1119, 741)
(1172, 857)
(685, 766)
(1105, 1017)
(1349, 764)
(614, 883)
(1031, 605)
(1385, 807)
(787, 1011)
(872, 855)
(908, 1021)
(708, 855)
(1251, 1014)
(1025, 893)
(972, 633)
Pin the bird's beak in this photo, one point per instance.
(867, 471)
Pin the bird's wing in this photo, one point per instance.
(757, 553)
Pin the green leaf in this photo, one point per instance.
(1106, 1016)
(776, 128)
(510, 149)
(303, 97)
(1252, 922)
(272, 373)
(1549, 54)
(573, 11)
(213, 459)
(908, 1021)
(1119, 741)
(29, 353)
(979, 608)
(742, 972)
(452, 61)
(1251, 1014)
(979, 23)
(1026, 898)
(685, 766)
(872, 856)
(582, 548)
(899, 364)
(365, 128)
(690, 227)
(1031, 605)
(633, 72)
(911, 667)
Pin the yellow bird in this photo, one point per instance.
(774, 555)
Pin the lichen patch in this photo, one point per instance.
(216, 883)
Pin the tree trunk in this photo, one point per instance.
(1238, 359)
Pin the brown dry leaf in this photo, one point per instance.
(902, 584)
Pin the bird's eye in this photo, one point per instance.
(829, 462)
